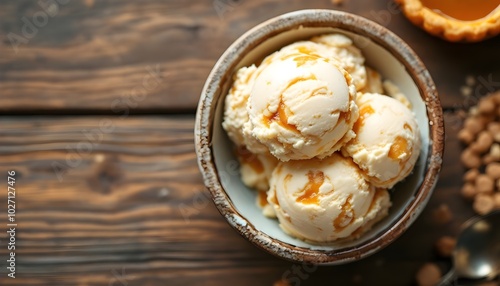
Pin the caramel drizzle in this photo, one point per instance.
(248, 158)
(311, 190)
(364, 112)
(281, 115)
(262, 198)
(398, 148)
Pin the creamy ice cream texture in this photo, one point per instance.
(324, 200)
(256, 169)
(335, 48)
(255, 173)
(388, 141)
(342, 49)
(236, 114)
(302, 106)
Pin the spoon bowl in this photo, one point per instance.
(477, 253)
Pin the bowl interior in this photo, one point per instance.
(243, 198)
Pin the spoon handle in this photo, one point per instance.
(449, 278)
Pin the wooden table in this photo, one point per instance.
(97, 104)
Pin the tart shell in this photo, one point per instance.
(450, 29)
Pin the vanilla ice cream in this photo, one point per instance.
(393, 91)
(351, 59)
(325, 200)
(256, 169)
(255, 172)
(290, 115)
(388, 141)
(302, 106)
(235, 111)
(373, 82)
(335, 48)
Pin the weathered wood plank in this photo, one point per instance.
(134, 203)
(149, 56)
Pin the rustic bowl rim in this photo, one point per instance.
(317, 18)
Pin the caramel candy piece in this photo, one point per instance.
(484, 184)
(474, 125)
(468, 191)
(483, 142)
(483, 204)
(466, 136)
(493, 170)
(443, 214)
(471, 175)
(445, 246)
(469, 159)
(428, 275)
(486, 105)
(496, 200)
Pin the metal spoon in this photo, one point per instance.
(477, 253)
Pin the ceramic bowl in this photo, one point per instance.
(384, 51)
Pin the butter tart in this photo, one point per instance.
(455, 20)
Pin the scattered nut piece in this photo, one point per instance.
(474, 125)
(486, 105)
(493, 170)
(466, 136)
(443, 214)
(487, 159)
(484, 184)
(483, 204)
(428, 275)
(445, 246)
(466, 91)
(496, 97)
(471, 175)
(470, 80)
(493, 127)
(469, 159)
(474, 111)
(483, 142)
(495, 151)
(468, 191)
(496, 200)
(481, 134)
(496, 136)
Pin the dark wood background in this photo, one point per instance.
(108, 189)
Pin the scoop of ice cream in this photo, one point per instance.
(373, 82)
(302, 106)
(334, 47)
(393, 91)
(267, 209)
(388, 141)
(255, 172)
(256, 169)
(235, 111)
(324, 200)
(350, 57)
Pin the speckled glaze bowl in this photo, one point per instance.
(386, 53)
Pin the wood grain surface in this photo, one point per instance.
(134, 202)
(94, 55)
(96, 117)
